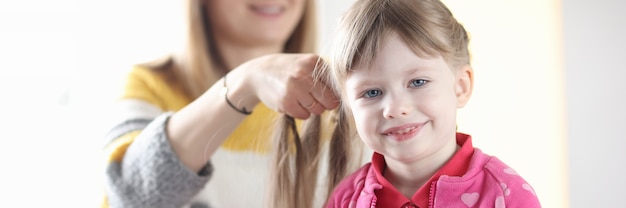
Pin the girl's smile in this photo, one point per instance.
(403, 132)
(404, 105)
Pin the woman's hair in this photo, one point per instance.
(426, 26)
(197, 66)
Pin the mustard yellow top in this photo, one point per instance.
(233, 162)
(252, 134)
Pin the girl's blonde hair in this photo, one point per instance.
(426, 26)
(197, 67)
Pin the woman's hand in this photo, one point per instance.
(284, 82)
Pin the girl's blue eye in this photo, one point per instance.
(372, 93)
(417, 82)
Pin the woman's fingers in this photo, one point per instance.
(313, 96)
(289, 87)
(293, 107)
(312, 105)
(324, 95)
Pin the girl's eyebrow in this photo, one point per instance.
(366, 79)
(417, 69)
(360, 83)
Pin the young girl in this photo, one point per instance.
(402, 70)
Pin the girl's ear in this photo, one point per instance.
(464, 85)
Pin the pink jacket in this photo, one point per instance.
(488, 182)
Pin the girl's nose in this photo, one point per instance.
(396, 107)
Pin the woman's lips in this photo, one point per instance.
(267, 10)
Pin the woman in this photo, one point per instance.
(182, 111)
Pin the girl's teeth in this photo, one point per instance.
(404, 131)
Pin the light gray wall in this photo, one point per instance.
(329, 12)
(595, 55)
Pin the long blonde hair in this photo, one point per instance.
(196, 67)
(427, 26)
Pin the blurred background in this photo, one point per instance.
(548, 97)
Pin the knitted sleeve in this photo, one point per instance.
(149, 174)
(142, 169)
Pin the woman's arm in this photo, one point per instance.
(142, 169)
(149, 173)
(282, 82)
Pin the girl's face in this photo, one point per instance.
(254, 22)
(404, 106)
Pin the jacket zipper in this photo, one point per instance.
(431, 194)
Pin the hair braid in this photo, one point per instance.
(296, 162)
